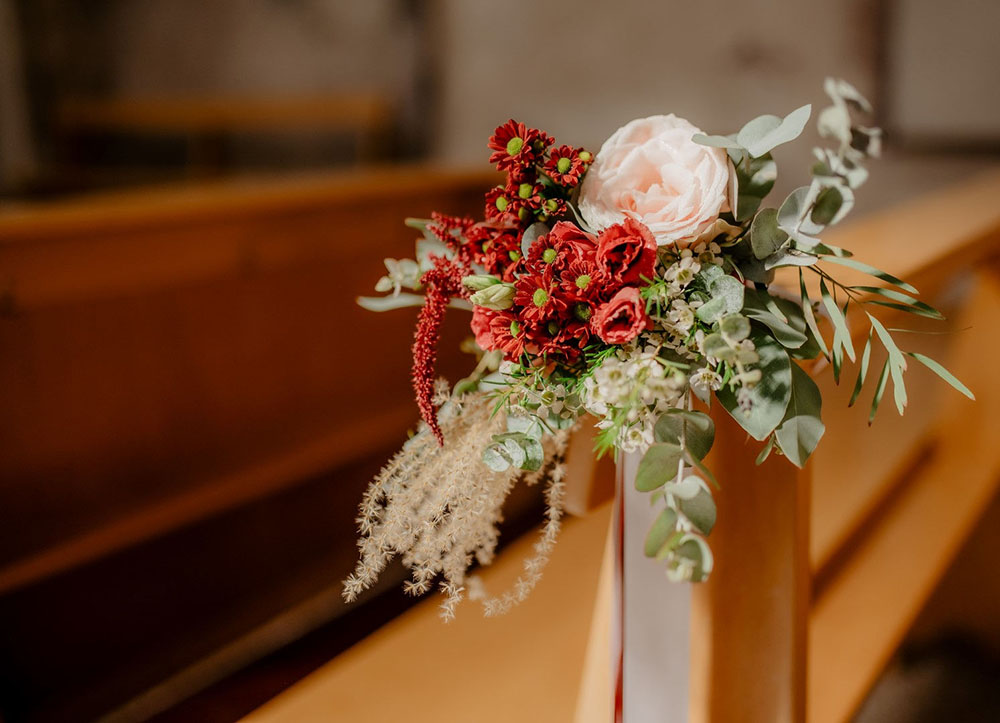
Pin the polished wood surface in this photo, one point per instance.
(183, 438)
(820, 573)
(472, 669)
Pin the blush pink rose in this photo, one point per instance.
(650, 170)
(621, 319)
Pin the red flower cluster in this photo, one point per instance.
(540, 179)
(573, 287)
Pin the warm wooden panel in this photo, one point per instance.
(489, 671)
(862, 614)
(750, 615)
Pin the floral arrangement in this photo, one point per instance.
(631, 289)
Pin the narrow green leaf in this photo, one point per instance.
(871, 271)
(936, 367)
(883, 377)
(897, 364)
(842, 335)
(862, 370)
(918, 307)
(810, 317)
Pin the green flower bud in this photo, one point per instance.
(478, 282)
(514, 146)
(549, 255)
(551, 205)
(515, 328)
(524, 190)
(501, 203)
(553, 328)
(514, 255)
(583, 281)
(563, 164)
(582, 312)
(522, 213)
(540, 298)
(495, 296)
(585, 156)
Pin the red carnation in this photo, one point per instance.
(622, 319)
(626, 252)
(564, 165)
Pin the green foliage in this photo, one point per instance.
(802, 427)
(765, 236)
(658, 466)
(768, 399)
(942, 372)
(754, 180)
(766, 132)
(660, 533)
(696, 429)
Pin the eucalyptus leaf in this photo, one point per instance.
(897, 363)
(697, 428)
(841, 333)
(658, 466)
(730, 290)
(766, 239)
(754, 180)
(769, 397)
(802, 427)
(765, 452)
(700, 510)
(663, 527)
(712, 310)
(787, 335)
(793, 214)
(716, 141)
(766, 132)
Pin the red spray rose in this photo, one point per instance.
(627, 251)
(622, 319)
(481, 320)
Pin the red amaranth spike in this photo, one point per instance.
(442, 282)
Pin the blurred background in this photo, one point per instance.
(192, 192)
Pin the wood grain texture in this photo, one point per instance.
(526, 665)
(748, 626)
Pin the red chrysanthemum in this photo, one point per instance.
(538, 295)
(565, 166)
(554, 250)
(508, 335)
(514, 146)
(497, 248)
(560, 337)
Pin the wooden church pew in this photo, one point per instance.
(819, 573)
(193, 403)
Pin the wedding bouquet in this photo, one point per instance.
(631, 289)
